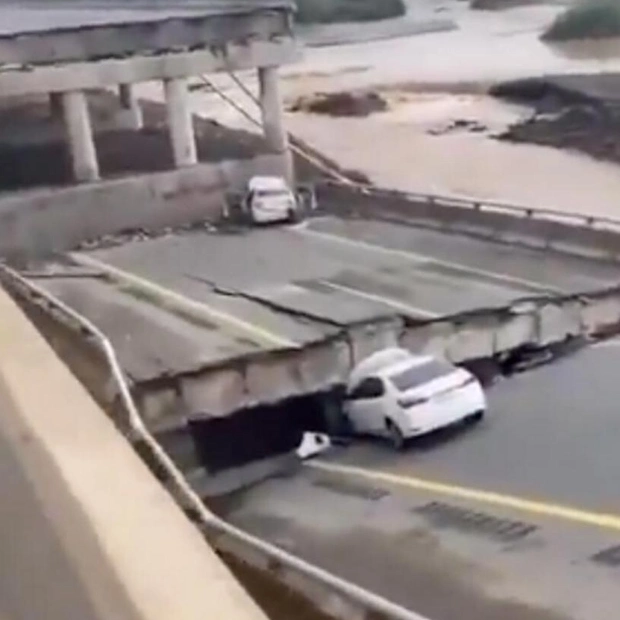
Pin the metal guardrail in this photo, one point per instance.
(493, 206)
(333, 595)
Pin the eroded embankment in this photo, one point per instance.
(579, 112)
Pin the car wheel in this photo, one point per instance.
(395, 435)
(477, 417)
(294, 216)
(346, 426)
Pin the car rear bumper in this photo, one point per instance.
(263, 216)
(446, 411)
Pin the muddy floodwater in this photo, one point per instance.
(486, 46)
(443, 143)
(438, 133)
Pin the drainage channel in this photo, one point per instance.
(326, 595)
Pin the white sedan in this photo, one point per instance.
(269, 200)
(398, 395)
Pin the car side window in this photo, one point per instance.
(372, 387)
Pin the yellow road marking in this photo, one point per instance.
(187, 304)
(423, 258)
(566, 513)
(397, 305)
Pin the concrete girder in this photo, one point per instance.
(111, 72)
(156, 32)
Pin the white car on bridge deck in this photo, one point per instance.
(269, 199)
(396, 394)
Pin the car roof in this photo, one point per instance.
(386, 362)
(266, 183)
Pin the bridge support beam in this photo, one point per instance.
(80, 135)
(180, 123)
(130, 106)
(55, 105)
(273, 117)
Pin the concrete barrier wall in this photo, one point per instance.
(42, 221)
(123, 549)
(582, 235)
(37, 222)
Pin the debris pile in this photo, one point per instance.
(575, 112)
(341, 104)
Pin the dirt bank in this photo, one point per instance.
(341, 104)
(580, 112)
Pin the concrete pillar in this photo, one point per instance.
(180, 123)
(55, 105)
(130, 106)
(273, 117)
(80, 136)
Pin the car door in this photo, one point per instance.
(366, 405)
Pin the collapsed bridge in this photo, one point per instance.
(220, 329)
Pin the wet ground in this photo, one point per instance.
(517, 518)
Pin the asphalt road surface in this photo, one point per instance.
(515, 519)
(333, 265)
(331, 272)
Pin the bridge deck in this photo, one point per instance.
(60, 32)
(61, 16)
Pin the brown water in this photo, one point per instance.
(487, 46)
(396, 149)
(412, 148)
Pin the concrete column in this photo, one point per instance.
(180, 123)
(55, 105)
(272, 116)
(130, 106)
(80, 136)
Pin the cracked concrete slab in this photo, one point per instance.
(350, 270)
(149, 341)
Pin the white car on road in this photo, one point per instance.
(398, 395)
(270, 199)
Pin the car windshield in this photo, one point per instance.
(419, 374)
